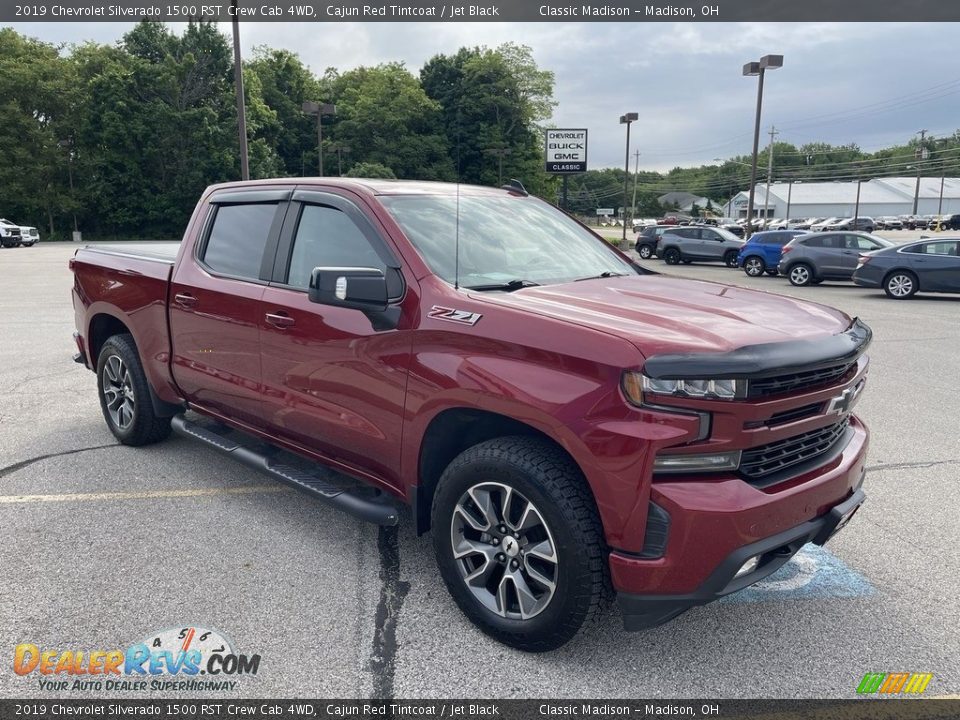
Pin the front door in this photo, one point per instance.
(332, 383)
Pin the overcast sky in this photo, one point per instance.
(870, 83)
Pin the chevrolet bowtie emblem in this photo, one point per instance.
(843, 403)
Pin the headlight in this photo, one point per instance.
(636, 384)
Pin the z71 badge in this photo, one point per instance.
(458, 316)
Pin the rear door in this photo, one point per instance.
(829, 257)
(938, 266)
(215, 303)
(332, 384)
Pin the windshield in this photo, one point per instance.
(502, 238)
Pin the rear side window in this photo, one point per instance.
(327, 237)
(238, 238)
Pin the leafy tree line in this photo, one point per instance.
(122, 139)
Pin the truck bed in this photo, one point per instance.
(162, 251)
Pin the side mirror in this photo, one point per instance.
(357, 288)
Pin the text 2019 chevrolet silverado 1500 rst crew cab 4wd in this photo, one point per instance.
(563, 421)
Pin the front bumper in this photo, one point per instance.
(717, 524)
(646, 611)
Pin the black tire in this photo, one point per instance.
(730, 258)
(545, 476)
(687, 262)
(753, 266)
(645, 251)
(137, 424)
(901, 285)
(671, 256)
(800, 274)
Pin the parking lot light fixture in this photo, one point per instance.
(626, 119)
(319, 109)
(767, 62)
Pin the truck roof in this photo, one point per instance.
(373, 186)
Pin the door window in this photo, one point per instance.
(946, 247)
(238, 239)
(327, 237)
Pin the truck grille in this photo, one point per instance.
(797, 381)
(759, 462)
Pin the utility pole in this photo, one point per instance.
(500, 152)
(636, 170)
(241, 104)
(919, 154)
(766, 195)
(789, 195)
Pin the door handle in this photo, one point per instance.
(185, 300)
(279, 321)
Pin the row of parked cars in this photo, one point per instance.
(13, 235)
(806, 257)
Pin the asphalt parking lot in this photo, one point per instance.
(102, 545)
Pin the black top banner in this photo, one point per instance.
(483, 11)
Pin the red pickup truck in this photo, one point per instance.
(566, 422)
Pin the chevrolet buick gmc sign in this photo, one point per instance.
(566, 151)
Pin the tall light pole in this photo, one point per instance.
(340, 149)
(500, 153)
(241, 104)
(636, 174)
(319, 109)
(626, 119)
(767, 62)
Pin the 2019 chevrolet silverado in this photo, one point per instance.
(565, 422)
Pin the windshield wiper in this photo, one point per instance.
(604, 274)
(508, 286)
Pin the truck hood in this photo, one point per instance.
(661, 314)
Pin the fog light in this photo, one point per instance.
(748, 567)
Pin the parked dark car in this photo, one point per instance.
(866, 224)
(733, 228)
(762, 252)
(648, 240)
(903, 271)
(811, 259)
(952, 222)
(700, 243)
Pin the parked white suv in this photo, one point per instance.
(13, 235)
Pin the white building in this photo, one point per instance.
(881, 196)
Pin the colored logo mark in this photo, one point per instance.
(894, 683)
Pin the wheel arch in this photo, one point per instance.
(451, 432)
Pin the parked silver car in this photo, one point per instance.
(703, 244)
(811, 259)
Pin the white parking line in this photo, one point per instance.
(146, 495)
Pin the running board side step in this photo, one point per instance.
(319, 482)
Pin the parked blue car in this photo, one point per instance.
(761, 253)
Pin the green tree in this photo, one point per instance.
(371, 170)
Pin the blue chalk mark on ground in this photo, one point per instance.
(811, 574)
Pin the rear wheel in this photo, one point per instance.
(125, 394)
(754, 266)
(671, 256)
(900, 285)
(519, 542)
(800, 274)
(730, 258)
(645, 251)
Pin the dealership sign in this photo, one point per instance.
(566, 151)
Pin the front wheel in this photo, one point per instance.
(800, 274)
(125, 394)
(519, 542)
(730, 258)
(753, 266)
(671, 256)
(900, 285)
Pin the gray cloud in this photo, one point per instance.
(840, 82)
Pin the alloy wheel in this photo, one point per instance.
(900, 285)
(118, 392)
(800, 275)
(753, 266)
(504, 551)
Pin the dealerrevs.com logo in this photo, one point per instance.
(191, 659)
